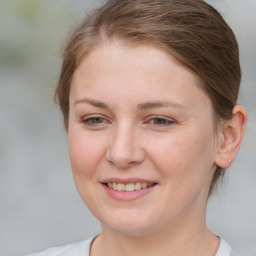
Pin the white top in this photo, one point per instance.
(83, 249)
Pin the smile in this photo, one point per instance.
(130, 187)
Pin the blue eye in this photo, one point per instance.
(160, 121)
(94, 121)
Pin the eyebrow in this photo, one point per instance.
(140, 107)
(93, 102)
(160, 104)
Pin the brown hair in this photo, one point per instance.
(191, 30)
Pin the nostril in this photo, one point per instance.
(121, 158)
(123, 151)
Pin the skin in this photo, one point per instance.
(136, 112)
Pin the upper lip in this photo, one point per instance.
(126, 181)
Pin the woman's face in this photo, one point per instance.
(141, 139)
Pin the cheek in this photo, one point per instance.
(84, 154)
(185, 157)
(185, 165)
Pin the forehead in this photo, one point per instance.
(142, 70)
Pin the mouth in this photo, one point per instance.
(129, 187)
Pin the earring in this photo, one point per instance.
(229, 161)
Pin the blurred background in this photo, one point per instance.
(39, 204)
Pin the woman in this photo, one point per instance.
(148, 91)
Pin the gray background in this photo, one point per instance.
(39, 204)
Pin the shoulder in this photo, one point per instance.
(233, 253)
(225, 249)
(77, 249)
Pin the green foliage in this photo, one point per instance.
(32, 29)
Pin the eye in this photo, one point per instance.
(94, 121)
(160, 121)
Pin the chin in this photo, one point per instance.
(130, 223)
(137, 229)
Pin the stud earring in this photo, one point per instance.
(229, 161)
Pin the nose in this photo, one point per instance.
(124, 148)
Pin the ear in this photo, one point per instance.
(230, 136)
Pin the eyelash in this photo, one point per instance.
(164, 122)
(90, 121)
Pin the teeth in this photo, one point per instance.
(120, 187)
(129, 187)
(143, 185)
(137, 185)
(114, 186)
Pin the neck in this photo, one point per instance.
(186, 234)
(180, 239)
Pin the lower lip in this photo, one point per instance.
(126, 195)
